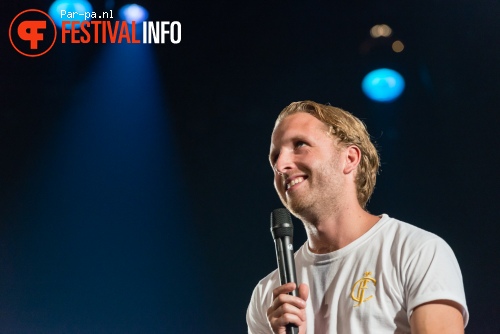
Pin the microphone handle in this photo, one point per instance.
(286, 267)
(292, 329)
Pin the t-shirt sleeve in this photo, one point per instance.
(257, 312)
(433, 273)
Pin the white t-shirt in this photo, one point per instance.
(370, 286)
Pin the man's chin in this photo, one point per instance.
(296, 207)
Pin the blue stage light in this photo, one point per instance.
(133, 12)
(70, 10)
(383, 85)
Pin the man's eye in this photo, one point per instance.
(299, 144)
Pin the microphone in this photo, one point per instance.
(282, 231)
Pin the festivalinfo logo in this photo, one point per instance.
(33, 32)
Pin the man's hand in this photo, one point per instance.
(287, 309)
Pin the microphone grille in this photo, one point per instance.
(281, 223)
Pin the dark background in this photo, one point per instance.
(135, 190)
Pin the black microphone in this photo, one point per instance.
(282, 231)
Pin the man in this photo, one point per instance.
(357, 272)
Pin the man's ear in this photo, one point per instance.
(352, 158)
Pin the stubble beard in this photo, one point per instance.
(304, 205)
(298, 205)
(319, 199)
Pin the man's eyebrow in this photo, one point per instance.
(293, 138)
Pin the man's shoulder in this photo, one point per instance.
(407, 241)
(405, 236)
(405, 231)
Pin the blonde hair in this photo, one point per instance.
(350, 131)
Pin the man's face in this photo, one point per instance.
(307, 166)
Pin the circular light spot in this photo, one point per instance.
(398, 46)
(133, 12)
(383, 85)
(67, 10)
(380, 30)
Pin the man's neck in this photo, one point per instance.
(334, 231)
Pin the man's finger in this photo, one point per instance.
(285, 288)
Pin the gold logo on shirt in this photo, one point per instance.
(359, 289)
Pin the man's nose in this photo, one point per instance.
(284, 163)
